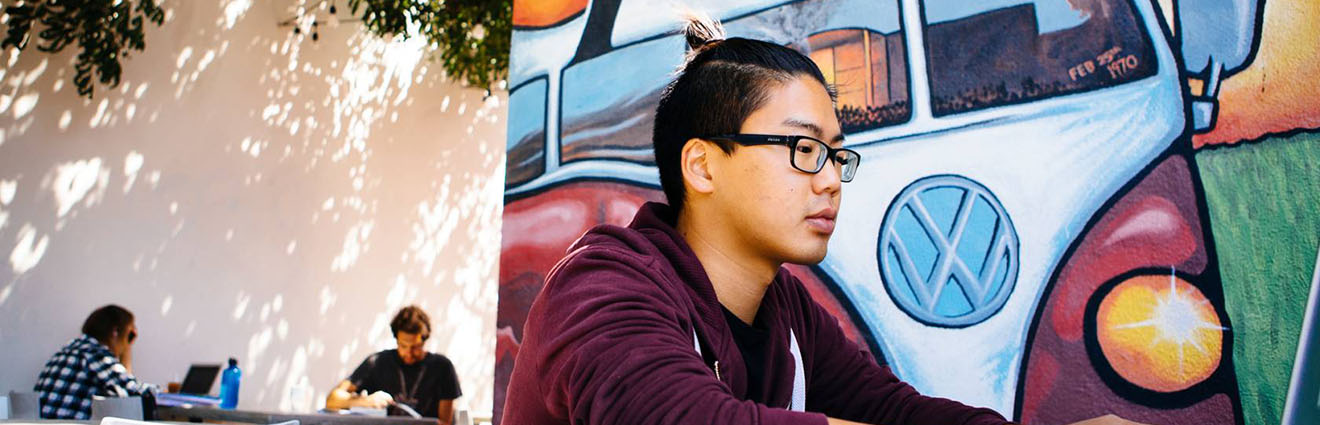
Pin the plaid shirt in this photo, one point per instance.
(83, 368)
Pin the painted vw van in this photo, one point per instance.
(1027, 230)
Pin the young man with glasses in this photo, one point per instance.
(686, 316)
(97, 363)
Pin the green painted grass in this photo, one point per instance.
(1264, 201)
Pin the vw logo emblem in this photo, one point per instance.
(948, 252)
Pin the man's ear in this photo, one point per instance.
(697, 163)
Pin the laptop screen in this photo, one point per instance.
(199, 379)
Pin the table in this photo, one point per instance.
(211, 414)
(69, 422)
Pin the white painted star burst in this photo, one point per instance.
(1176, 318)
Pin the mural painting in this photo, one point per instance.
(1037, 225)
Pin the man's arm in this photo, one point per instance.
(345, 396)
(846, 382)
(445, 412)
(111, 376)
(849, 383)
(843, 422)
(447, 389)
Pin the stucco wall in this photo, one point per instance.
(249, 192)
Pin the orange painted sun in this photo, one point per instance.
(545, 13)
(1160, 333)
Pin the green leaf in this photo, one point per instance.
(105, 33)
(449, 27)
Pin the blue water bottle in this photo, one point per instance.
(229, 385)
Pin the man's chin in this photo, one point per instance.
(808, 258)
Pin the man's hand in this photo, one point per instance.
(1107, 420)
(1103, 420)
(126, 358)
(345, 396)
(378, 400)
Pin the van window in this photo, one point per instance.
(983, 54)
(869, 70)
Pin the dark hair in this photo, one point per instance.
(722, 82)
(411, 320)
(105, 321)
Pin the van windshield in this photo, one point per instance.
(990, 53)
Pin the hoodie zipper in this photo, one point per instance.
(696, 344)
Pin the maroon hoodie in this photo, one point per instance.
(609, 340)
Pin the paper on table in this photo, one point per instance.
(366, 411)
(408, 409)
(110, 420)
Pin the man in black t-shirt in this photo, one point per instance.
(408, 375)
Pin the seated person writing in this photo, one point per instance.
(426, 382)
(99, 362)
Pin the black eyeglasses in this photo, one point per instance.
(807, 154)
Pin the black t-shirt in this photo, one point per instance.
(751, 341)
(421, 385)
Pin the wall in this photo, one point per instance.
(250, 192)
(1066, 209)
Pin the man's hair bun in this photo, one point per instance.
(701, 30)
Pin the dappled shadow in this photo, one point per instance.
(249, 192)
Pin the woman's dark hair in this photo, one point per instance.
(722, 82)
(105, 321)
(411, 320)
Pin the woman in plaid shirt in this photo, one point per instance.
(98, 362)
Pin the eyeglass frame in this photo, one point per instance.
(791, 142)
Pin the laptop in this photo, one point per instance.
(195, 389)
(200, 379)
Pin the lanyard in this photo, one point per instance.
(403, 384)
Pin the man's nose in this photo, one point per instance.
(829, 178)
